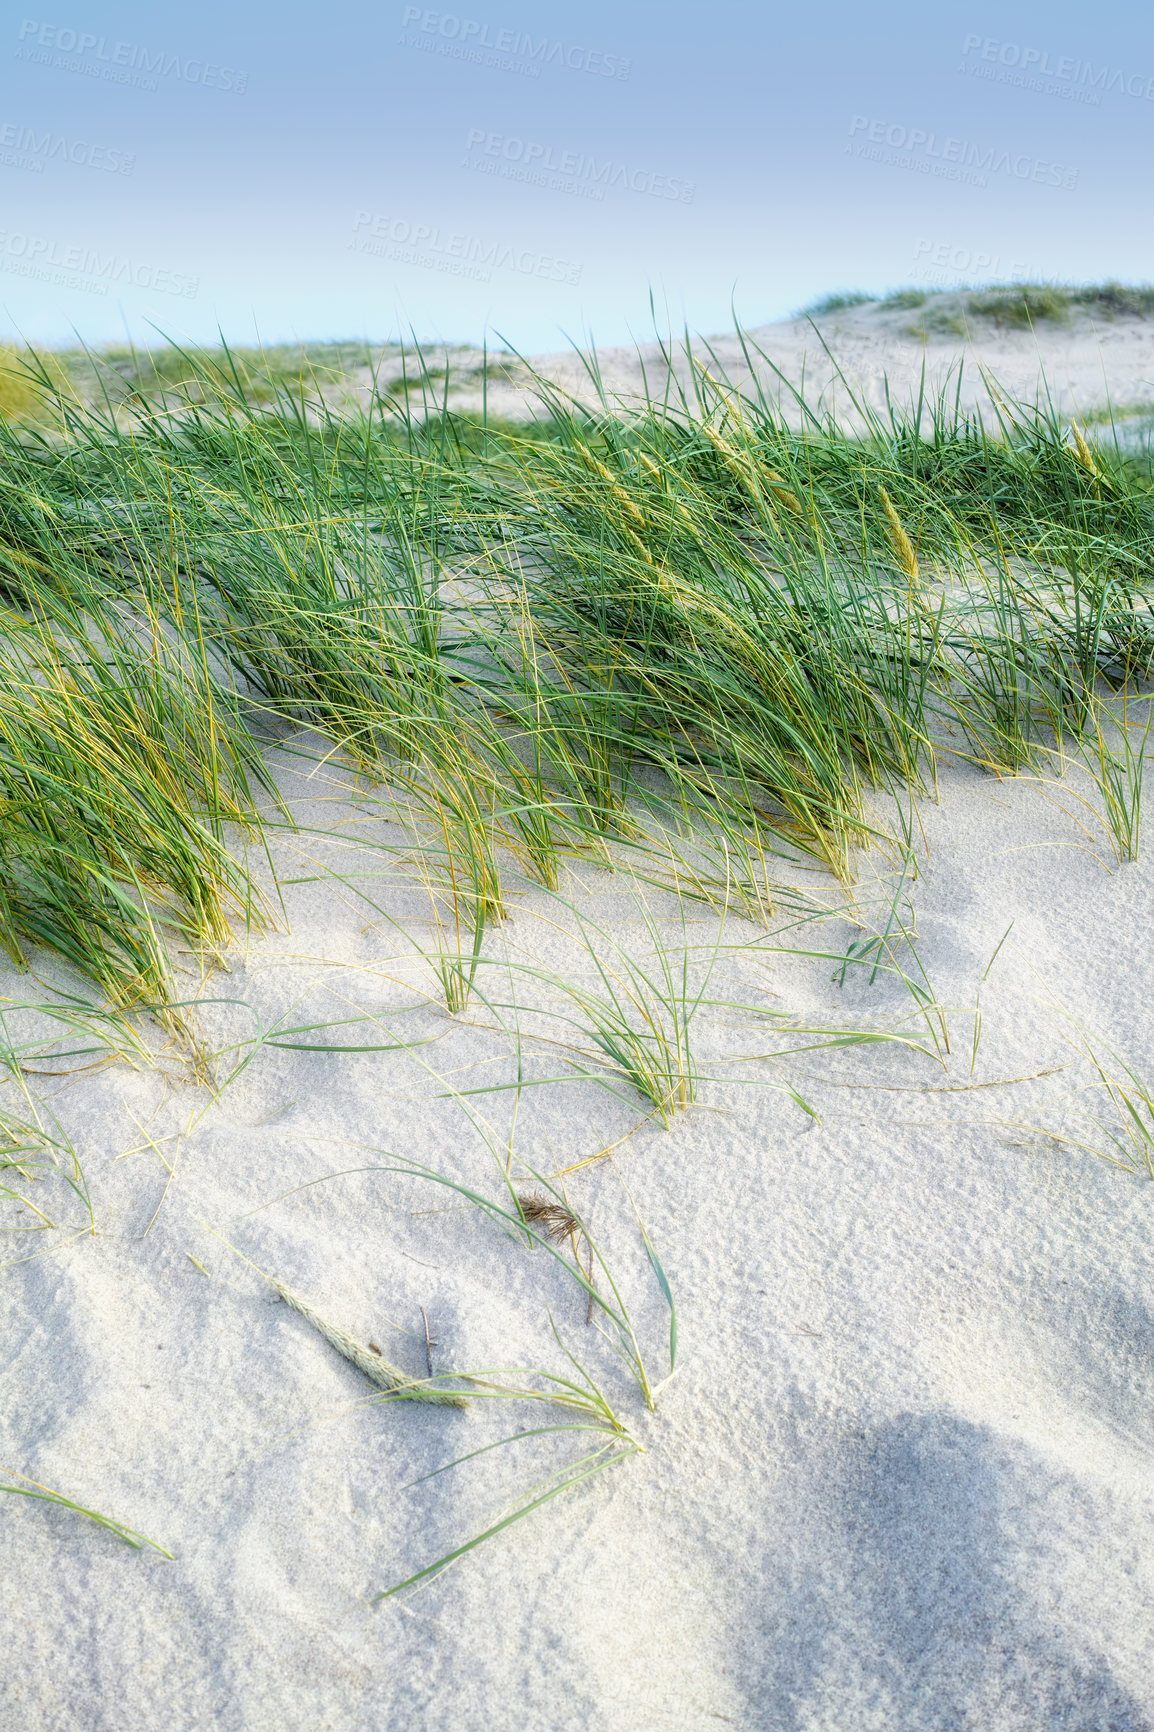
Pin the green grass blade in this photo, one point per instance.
(499, 1527)
(42, 1494)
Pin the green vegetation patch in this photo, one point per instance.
(552, 641)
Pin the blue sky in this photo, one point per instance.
(537, 170)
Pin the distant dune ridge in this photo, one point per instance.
(1086, 356)
(1087, 350)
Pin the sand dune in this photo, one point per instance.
(1085, 363)
(901, 1476)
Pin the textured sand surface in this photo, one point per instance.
(902, 1477)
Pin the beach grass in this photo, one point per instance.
(686, 618)
(1013, 305)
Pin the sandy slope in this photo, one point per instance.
(902, 1477)
(1085, 363)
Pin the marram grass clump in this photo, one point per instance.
(576, 639)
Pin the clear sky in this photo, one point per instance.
(537, 169)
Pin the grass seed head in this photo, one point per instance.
(1083, 451)
(546, 1213)
(902, 544)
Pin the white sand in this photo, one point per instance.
(1085, 364)
(902, 1477)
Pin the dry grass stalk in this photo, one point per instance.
(369, 1360)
